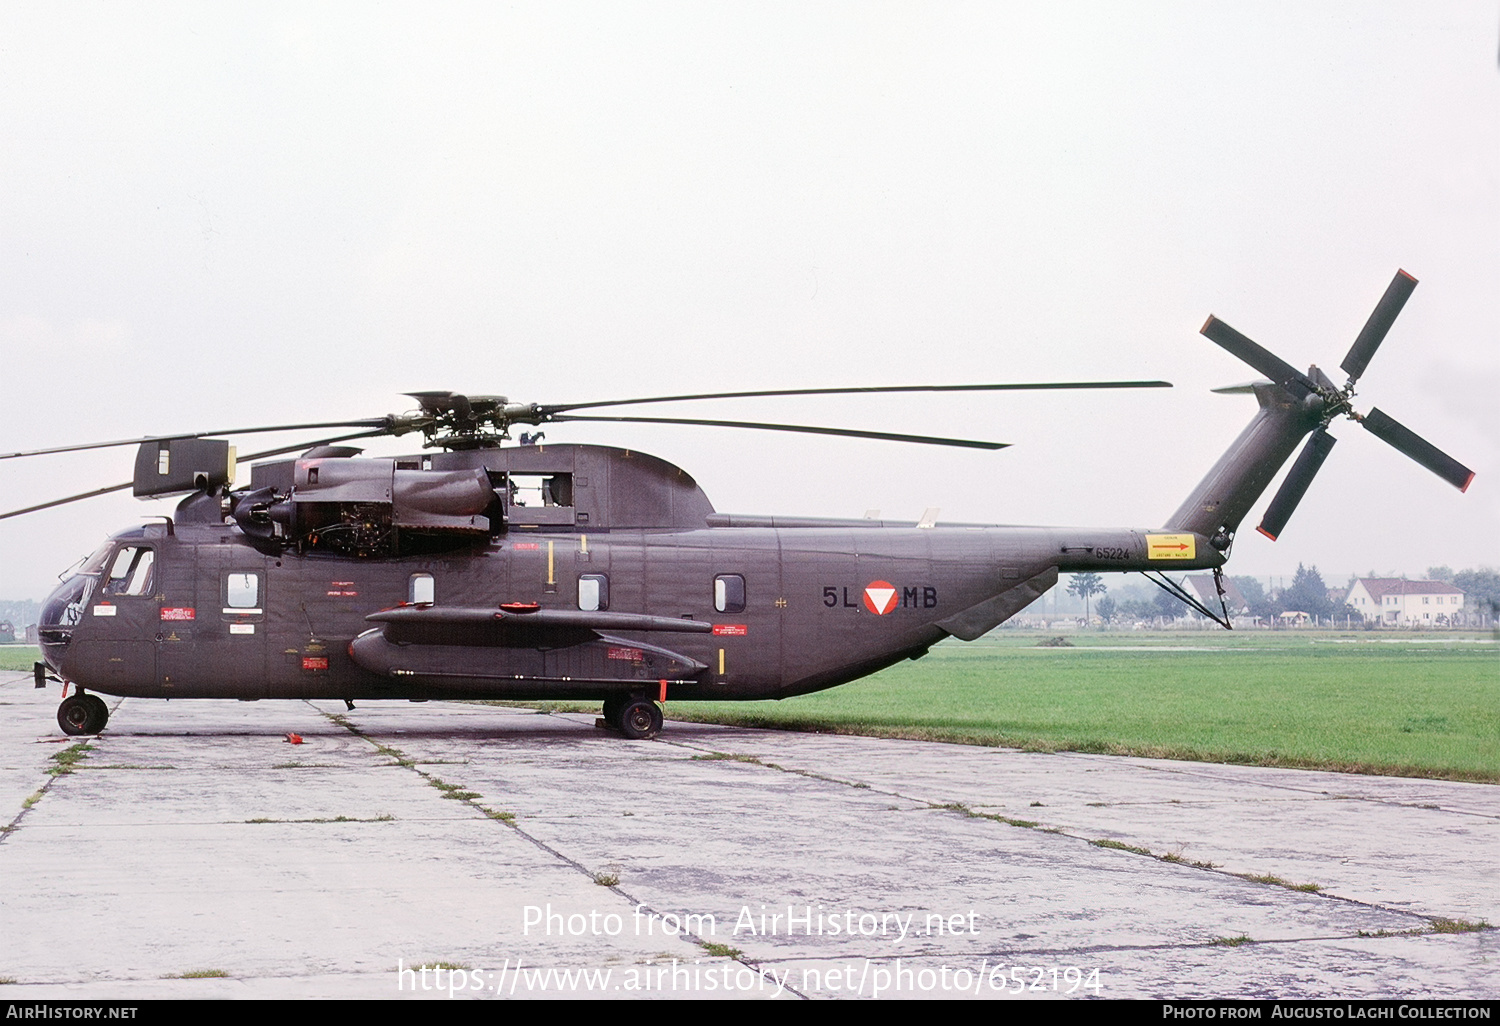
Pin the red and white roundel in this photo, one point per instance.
(880, 597)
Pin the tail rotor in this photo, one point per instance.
(1322, 398)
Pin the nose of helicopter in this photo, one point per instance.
(60, 614)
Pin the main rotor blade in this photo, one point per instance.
(1295, 486)
(1015, 387)
(238, 459)
(369, 423)
(1381, 318)
(64, 502)
(798, 428)
(306, 445)
(1394, 433)
(1263, 360)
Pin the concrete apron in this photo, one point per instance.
(194, 852)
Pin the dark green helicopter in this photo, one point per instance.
(534, 571)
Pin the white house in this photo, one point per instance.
(1395, 600)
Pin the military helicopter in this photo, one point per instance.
(479, 570)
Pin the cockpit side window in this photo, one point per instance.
(130, 572)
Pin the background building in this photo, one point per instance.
(1394, 600)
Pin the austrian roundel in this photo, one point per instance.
(880, 597)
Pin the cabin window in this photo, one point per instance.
(421, 590)
(593, 592)
(729, 593)
(242, 593)
(130, 573)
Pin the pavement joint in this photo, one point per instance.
(120, 879)
(599, 878)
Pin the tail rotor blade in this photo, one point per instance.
(1295, 486)
(1396, 434)
(1374, 331)
(1263, 360)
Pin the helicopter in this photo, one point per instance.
(535, 571)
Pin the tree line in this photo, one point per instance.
(1308, 593)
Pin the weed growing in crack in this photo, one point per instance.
(1105, 842)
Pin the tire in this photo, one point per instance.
(639, 719)
(82, 714)
(101, 713)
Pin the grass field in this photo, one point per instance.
(1372, 702)
(1424, 705)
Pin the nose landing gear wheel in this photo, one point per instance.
(82, 714)
(639, 718)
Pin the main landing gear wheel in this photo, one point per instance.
(82, 714)
(639, 718)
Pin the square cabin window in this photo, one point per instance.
(593, 592)
(729, 593)
(421, 591)
(242, 593)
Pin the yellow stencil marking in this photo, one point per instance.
(721, 662)
(1171, 546)
(583, 543)
(550, 578)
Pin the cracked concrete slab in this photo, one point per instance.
(193, 839)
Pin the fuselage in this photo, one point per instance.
(196, 611)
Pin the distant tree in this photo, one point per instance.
(20, 612)
(1481, 589)
(1107, 609)
(1308, 593)
(1169, 605)
(1084, 585)
(1440, 573)
(1255, 596)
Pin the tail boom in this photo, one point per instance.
(1217, 506)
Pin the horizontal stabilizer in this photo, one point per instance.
(1248, 388)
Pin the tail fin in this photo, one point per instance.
(1221, 500)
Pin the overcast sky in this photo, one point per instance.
(225, 214)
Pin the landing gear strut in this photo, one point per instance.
(82, 714)
(634, 716)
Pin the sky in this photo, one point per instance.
(235, 214)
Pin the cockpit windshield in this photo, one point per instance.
(95, 563)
